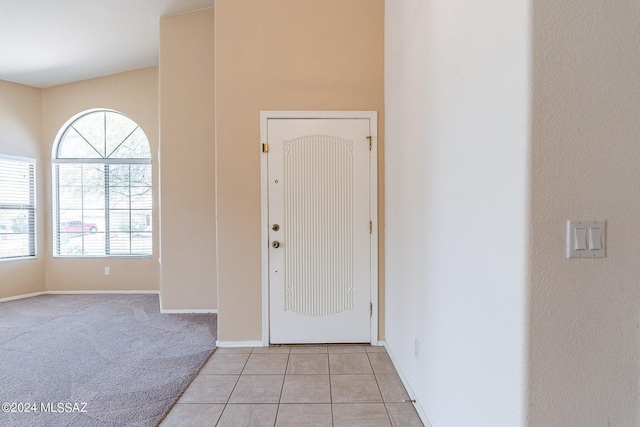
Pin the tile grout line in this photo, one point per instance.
(284, 377)
(333, 423)
(234, 386)
(384, 404)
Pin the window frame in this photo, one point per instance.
(55, 161)
(31, 207)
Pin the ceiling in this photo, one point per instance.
(45, 43)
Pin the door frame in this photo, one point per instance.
(373, 205)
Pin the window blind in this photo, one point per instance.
(103, 209)
(17, 207)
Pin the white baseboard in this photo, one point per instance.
(35, 294)
(419, 409)
(194, 311)
(230, 344)
(100, 292)
(223, 344)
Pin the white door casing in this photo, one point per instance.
(319, 187)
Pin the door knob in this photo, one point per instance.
(275, 244)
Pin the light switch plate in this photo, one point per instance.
(586, 239)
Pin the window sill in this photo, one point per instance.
(105, 256)
(23, 258)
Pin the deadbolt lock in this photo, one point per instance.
(275, 227)
(275, 244)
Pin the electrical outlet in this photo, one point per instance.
(107, 271)
(416, 349)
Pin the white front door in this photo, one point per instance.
(319, 212)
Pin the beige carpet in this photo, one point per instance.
(97, 360)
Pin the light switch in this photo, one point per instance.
(585, 239)
(580, 239)
(595, 239)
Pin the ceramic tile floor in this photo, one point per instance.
(326, 385)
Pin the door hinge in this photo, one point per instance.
(370, 227)
(370, 138)
(265, 148)
(370, 309)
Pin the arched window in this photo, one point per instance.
(102, 187)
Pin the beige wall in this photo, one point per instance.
(279, 55)
(585, 344)
(187, 172)
(21, 135)
(135, 94)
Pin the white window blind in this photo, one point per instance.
(17, 207)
